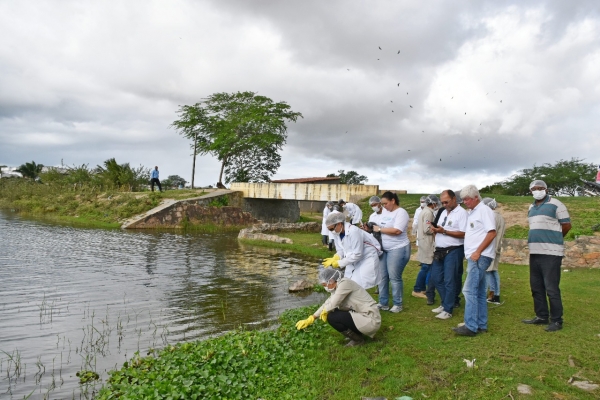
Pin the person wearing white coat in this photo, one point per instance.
(356, 250)
(324, 231)
(353, 211)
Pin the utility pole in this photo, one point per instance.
(194, 162)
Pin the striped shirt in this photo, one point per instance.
(545, 230)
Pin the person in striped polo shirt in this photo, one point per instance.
(549, 222)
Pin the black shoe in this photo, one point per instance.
(430, 302)
(463, 331)
(536, 321)
(554, 326)
(479, 330)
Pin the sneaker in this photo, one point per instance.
(554, 326)
(464, 331)
(536, 321)
(396, 309)
(444, 315)
(494, 300)
(438, 310)
(382, 307)
(420, 295)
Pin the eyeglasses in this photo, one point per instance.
(331, 229)
(444, 222)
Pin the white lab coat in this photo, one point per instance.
(353, 212)
(324, 230)
(359, 252)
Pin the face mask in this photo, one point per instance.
(334, 232)
(376, 209)
(329, 290)
(423, 205)
(538, 194)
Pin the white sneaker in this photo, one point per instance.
(438, 310)
(382, 307)
(396, 309)
(444, 315)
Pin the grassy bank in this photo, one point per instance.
(414, 354)
(85, 206)
(308, 244)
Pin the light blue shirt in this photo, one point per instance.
(154, 174)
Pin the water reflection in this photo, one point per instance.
(73, 299)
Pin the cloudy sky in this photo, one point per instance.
(460, 92)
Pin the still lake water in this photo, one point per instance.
(76, 299)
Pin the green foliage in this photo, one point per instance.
(86, 376)
(220, 201)
(123, 175)
(243, 130)
(30, 170)
(350, 177)
(173, 182)
(239, 364)
(562, 178)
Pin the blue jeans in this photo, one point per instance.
(392, 265)
(445, 274)
(476, 312)
(493, 282)
(421, 283)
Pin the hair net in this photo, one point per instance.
(341, 201)
(432, 199)
(538, 183)
(491, 203)
(423, 198)
(327, 274)
(374, 199)
(329, 204)
(335, 218)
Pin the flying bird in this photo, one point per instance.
(398, 85)
(465, 113)
(379, 47)
(440, 159)
(500, 101)
(391, 101)
(407, 93)
(452, 97)
(392, 110)
(348, 69)
(398, 51)
(411, 106)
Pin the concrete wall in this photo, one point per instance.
(582, 252)
(271, 211)
(311, 206)
(305, 191)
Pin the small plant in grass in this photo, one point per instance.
(220, 201)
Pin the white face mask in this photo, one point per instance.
(376, 209)
(329, 290)
(423, 205)
(538, 194)
(334, 232)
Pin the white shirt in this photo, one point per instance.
(480, 221)
(396, 219)
(376, 218)
(354, 212)
(324, 230)
(456, 221)
(416, 217)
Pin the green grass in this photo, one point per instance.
(85, 206)
(413, 354)
(308, 244)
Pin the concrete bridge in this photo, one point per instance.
(247, 203)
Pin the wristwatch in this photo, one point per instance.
(444, 232)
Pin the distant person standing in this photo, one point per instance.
(549, 222)
(324, 231)
(598, 175)
(353, 212)
(154, 179)
(491, 274)
(416, 217)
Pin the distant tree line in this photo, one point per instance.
(109, 175)
(350, 177)
(563, 178)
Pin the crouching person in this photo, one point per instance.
(350, 310)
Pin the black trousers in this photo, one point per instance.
(544, 279)
(341, 321)
(325, 239)
(153, 181)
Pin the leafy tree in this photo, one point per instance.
(243, 130)
(350, 177)
(173, 181)
(30, 170)
(562, 178)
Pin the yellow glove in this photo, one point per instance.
(305, 323)
(324, 315)
(333, 261)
